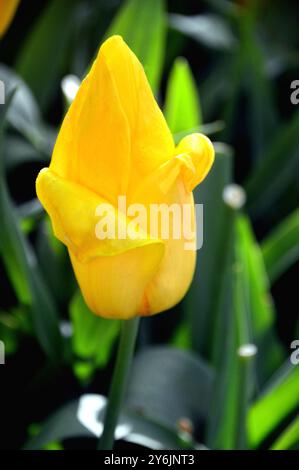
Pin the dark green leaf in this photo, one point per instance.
(41, 59)
(259, 304)
(170, 385)
(281, 247)
(203, 296)
(271, 178)
(84, 418)
(24, 114)
(22, 268)
(210, 30)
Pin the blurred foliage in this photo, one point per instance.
(220, 67)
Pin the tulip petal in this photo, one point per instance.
(114, 286)
(196, 153)
(176, 269)
(193, 160)
(7, 12)
(114, 132)
(151, 141)
(172, 183)
(75, 214)
(166, 187)
(93, 145)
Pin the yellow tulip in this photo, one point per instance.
(7, 12)
(113, 142)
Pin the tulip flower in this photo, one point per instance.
(7, 12)
(114, 141)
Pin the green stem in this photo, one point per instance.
(119, 381)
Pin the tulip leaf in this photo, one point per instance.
(211, 30)
(182, 108)
(41, 59)
(260, 306)
(272, 176)
(54, 261)
(289, 438)
(24, 116)
(93, 337)
(84, 418)
(261, 110)
(169, 385)
(182, 336)
(281, 247)
(245, 316)
(143, 26)
(279, 398)
(203, 294)
(226, 424)
(23, 271)
(18, 151)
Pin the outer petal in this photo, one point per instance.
(112, 273)
(172, 183)
(7, 11)
(74, 212)
(196, 153)
(93, 145)
(192, 160)
(113, 286)
(176, 269)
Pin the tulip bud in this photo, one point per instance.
(114, 146)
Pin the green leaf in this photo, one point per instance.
(17, 151)
(24, 115)
(84, 418)
(258, 86)
(93, 337)
(182, 336)
(182, 108)
(203, 295)
(22, 268)
(168, 385)
(41, 59)
(227, 424)
(143, 26)
(281, 247)
(259, 304)
(211, 30)
(244, 319)
(278, 400)
(54, 263)
(289, 438)
(272, 176)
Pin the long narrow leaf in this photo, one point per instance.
(23, 271)
(281, 247)
(182, 108)
(279, 399)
